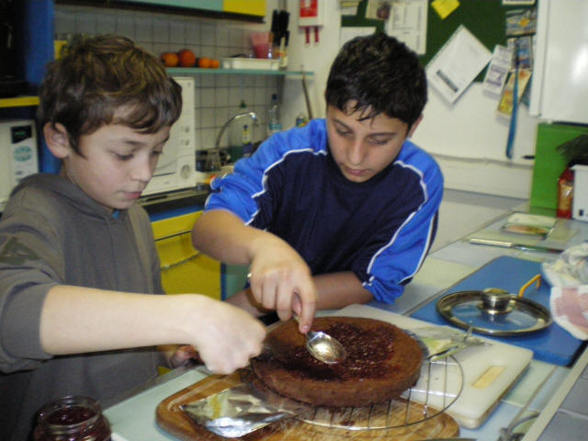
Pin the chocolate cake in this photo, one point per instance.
(382, 362)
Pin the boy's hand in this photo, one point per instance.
(184, 355)
(280, 280)
(225, 336)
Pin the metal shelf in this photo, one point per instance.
(201, 71)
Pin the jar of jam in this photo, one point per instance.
(72, 418)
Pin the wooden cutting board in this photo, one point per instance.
(172, 419)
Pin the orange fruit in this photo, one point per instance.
(170, 59)
(204, 62)
(214, 63)
(187, 58)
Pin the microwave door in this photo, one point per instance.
(167, 160)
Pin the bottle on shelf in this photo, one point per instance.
(273, 121)
(301, 120)
(236, 128)
(246, 141)
(241, 132)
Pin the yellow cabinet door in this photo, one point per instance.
(248, 7)
(183, 269)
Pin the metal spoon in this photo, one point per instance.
(324, 348)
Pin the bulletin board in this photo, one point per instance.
(360, 20)
(485, 19)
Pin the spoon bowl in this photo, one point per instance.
(325, 348)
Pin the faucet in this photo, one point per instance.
(251, 115)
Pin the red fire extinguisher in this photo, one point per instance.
(565, 193)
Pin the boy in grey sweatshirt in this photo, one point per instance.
(79, 271)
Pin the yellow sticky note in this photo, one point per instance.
(445, 7)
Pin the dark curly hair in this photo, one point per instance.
(85, 89)
(377, 74)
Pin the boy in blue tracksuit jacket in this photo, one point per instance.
(341, 211)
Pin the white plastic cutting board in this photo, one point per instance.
(488, 371)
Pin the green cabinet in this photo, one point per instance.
(549, 163)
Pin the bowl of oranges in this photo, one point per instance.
(187, 58)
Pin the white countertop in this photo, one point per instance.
(134, 418)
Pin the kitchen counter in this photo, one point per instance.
(133, 418)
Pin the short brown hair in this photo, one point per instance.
(96, 77)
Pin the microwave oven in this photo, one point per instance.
(18, 154)
(176, 168)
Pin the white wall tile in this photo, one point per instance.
(86, 24)
(236, 37)
(105, 24)
(148, 46)
(207, 34)
(222, 36)
(143, 28)
(249, 81)
(125, 25)
(208, 138)
(207, 80)
(260, 81)
(158, 48)
(192, 32)
(221, 98)
(236, 81)
(259, 96)
(197, 99)
(65, 23)
(161, 30)
(197, 118)
(222, 81)
(221, 116)
(207, 50)
(248, 96)
(235, 96)
(176, 33)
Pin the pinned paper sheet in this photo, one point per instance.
(498, 70)
(457, 64)
(408, 23)
(347, 33)
(506, 103)
(445, 7)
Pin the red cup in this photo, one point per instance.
(262, 50)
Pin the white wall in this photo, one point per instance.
(467, 139)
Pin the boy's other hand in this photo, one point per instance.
(280, 280)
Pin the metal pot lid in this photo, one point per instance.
(493, 312)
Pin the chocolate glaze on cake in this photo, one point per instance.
(382, 362)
